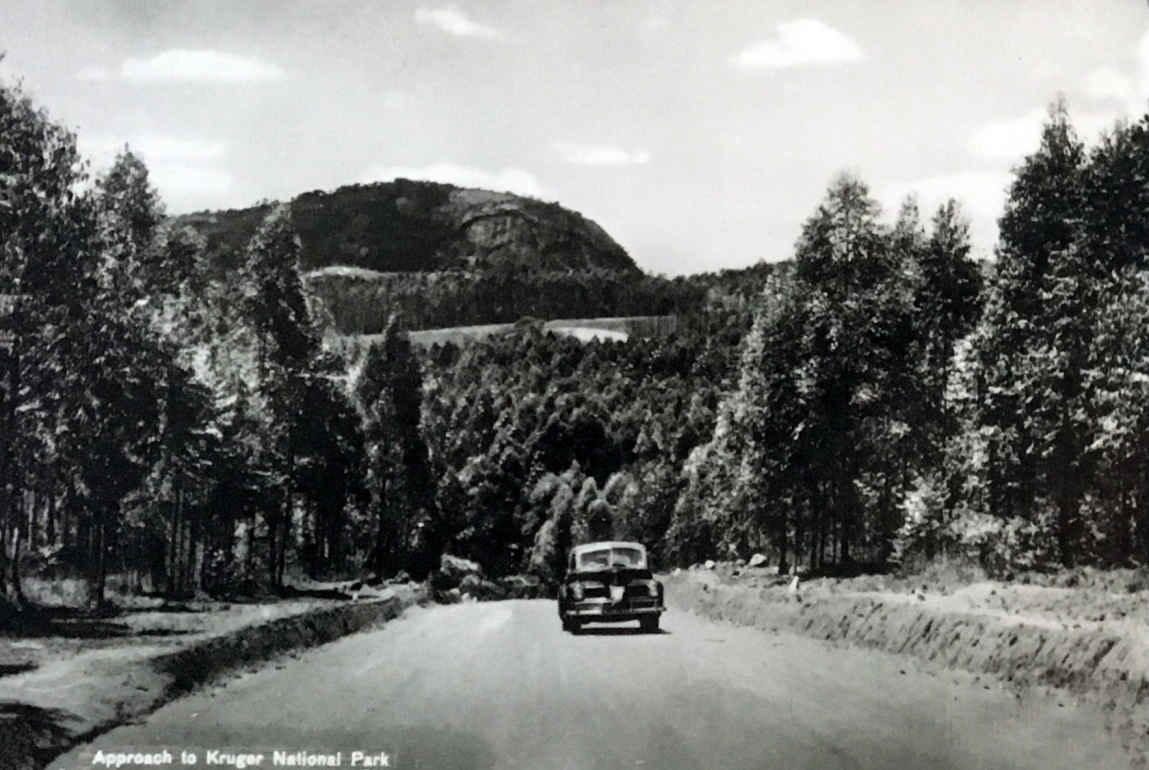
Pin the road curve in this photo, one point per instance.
(501, 686)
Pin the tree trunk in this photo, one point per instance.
(11, 510)
(381, 534)
(249, 557)
(272, 522)
(98, 597)
(281, 568)
(15, 590)
(191, 583)
(51, 525)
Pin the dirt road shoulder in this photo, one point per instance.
(68, 701)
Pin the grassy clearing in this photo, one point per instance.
(584, 329)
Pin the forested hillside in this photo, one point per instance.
(173, 426)
(444, 256)
(361, 302)
(416, 226)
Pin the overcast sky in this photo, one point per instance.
(700, 135)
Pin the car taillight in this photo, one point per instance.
(576, 591)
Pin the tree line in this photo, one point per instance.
(176, 428)
(882, 398)
(501, 294)
(177, 431)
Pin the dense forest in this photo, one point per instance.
(879, 399)
(362, 303)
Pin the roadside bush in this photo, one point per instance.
(923, 534)
(225, 576)
(944, 571)
(1003, 546)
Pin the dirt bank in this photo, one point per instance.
(45, 712)
(1093, 646)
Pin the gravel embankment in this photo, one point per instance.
(1089, 641)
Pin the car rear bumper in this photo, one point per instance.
(607, 612)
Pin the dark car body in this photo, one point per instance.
(609, 582)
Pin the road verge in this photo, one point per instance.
(45, 713)
(1104, 660)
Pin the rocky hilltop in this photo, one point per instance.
(415, 226)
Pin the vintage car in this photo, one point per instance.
(609, 582)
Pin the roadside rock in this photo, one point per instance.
(709, 564)
(523, 587)
(372, 579)
(757, 560)
(450, 596)
(457, 567)
(473, 586)
(452, 570)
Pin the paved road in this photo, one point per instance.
(501, 686)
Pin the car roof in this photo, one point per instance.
(607, 544)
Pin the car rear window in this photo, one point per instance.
(605, 558)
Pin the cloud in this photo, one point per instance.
(1014, 138)
(514, 180)
(1130, 91)
(654, 27)
(7, 73)
(188, 66)
(452, 20)
(799, 42)
(1108, 84)
(178, 182)
(153, 148)
(1115, 91)
(600, 155)
(184, 170)
(93, 74)
(395, 100)
(981, 193)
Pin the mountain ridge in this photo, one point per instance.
(417, 226)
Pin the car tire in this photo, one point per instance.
(649, 624)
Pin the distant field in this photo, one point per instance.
(586, 333)
(584, 329)
(348, 271)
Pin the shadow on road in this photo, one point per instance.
(84, 628)
(31, 731)
(616, 631)
(10, 669)
(76, 623)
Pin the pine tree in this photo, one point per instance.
(388, 391)
(276, 310)
(1035, 345)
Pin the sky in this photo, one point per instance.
(699, 134)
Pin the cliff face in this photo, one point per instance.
(412, 226)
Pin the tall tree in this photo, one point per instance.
(49, 251)
(388, 391)
(286, 346)
(1035, 342)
